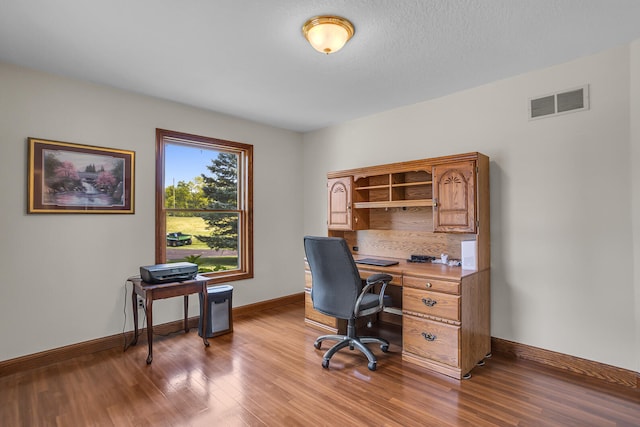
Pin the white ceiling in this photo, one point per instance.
(248, 58)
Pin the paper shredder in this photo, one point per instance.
(219, 319)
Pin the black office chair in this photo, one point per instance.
(338, 291)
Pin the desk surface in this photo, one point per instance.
(170, 289)
(426, 269)
(139, 281)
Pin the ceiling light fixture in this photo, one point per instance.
(327, 34)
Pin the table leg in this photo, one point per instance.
(149, 310)
(205, 313)
(134, 305)
(186, 310)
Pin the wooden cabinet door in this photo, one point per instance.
(454, 198)
(339, 216)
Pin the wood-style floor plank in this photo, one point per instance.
(267, 373)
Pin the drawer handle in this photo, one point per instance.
(429, 302)
(428, 285)
(429, 337)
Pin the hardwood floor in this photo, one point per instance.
(267, 373)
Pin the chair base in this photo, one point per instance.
(351, 342)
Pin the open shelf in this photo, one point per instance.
(394, 190)
(410, 184)
(373, 187)
(394, 204)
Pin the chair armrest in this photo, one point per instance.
(380, 277)
(370, 282)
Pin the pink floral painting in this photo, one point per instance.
(69, 177)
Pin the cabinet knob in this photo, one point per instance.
(435, 203)
(429, 337)
(428, 285)
(429, 302)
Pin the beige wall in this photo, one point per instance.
(63, 276)
(635, 183)
(565, 250)
(561, 192)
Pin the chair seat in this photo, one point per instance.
(369, 301)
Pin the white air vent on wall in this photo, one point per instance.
(569, 101)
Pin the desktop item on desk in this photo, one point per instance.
(164, 273)
(377, 262)
(469, 261)
(421, 258)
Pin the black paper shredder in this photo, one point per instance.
(219, 319)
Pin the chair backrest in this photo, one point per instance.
(336, 281)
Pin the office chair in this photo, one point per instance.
(337, 290)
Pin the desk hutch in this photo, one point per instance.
(420, 207)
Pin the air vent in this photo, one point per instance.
(569, 101)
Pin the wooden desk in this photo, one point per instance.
(444, 312)
(150, 292)
(424, 206)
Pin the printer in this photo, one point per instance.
(173, 272)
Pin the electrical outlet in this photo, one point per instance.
(140, 302)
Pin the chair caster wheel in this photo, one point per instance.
(372, 366)
(384, 348)
(325, 363)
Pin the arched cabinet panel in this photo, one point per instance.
(454, 207)
(339, 203)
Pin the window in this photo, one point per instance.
(204, 204)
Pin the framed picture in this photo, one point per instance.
(74, 178)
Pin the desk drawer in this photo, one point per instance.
(429, 284)
(431, 340)
(431, 303)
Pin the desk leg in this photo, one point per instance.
(205, 313)
(186, 310)
(134, 306)
(149, 310)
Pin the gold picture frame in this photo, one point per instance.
(73, 178)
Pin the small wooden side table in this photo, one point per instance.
(153, 291)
